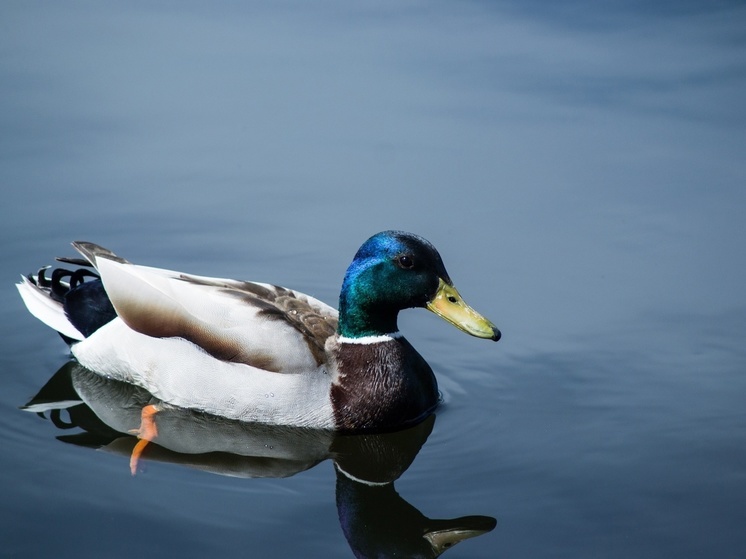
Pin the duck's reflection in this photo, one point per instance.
(375, 519)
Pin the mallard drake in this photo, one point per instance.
(258, 352)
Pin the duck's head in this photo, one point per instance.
(392, 271)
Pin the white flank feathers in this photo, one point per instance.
(180, 373)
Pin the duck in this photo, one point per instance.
(257, 352)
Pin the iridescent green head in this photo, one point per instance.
(392, 271)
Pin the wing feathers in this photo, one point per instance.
(264, 326)
(92, 251)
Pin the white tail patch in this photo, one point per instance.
(46, 309)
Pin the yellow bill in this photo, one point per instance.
(448, 305)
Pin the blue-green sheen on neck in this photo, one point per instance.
(362, 312)
(378, 285)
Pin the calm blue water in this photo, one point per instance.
(581, 169)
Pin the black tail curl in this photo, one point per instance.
(81, 294)
(56, 287)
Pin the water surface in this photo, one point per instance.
(580, 168)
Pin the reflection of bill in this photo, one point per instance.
(375, 519)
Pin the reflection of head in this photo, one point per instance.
(378, 522)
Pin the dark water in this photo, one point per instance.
(581, 169)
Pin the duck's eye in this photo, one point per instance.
(405, 261)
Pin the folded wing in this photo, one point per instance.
(261, 325)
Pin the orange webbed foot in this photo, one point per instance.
(147, 432)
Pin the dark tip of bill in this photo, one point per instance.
(496, 334)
